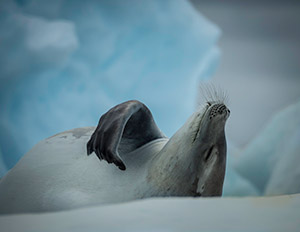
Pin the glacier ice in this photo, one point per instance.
(286, 173)
(3, 169)
(64, 63)
(271, 161)
(269, 164)
(234, 183)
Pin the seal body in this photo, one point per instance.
(57, 175)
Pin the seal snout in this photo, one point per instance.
(219, 109)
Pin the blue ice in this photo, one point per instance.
(271, 161)
(64, 63)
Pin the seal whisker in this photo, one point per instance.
(212, 93)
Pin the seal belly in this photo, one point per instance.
(57, 174)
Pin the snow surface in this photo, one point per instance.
(64, 63)
(256, 214)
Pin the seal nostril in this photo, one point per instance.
(219, 109)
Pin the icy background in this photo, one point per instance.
(259, 66)
(269, 165)
(64, 63)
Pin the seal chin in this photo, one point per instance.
(210, 146)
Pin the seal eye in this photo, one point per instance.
(209, 103)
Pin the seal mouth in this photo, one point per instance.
(208, 154)
(200, 122)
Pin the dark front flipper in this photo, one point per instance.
(126, 127)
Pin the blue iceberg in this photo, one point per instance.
(271, 161)
(234, 183)
(64, 63)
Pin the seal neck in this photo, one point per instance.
(176, 165)
(194, 156)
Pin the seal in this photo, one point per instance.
(56, 175)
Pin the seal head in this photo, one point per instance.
(193, 161)
(210, 142)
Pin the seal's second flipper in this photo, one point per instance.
(125, 127)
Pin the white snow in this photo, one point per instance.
(170, 214)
